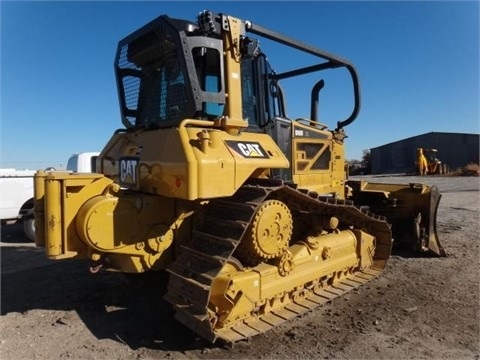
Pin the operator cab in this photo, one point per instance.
(172, 69)
(169, 70)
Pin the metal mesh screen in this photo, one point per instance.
(153, 79)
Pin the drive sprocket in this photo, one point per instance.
(269, 234)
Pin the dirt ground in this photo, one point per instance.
(420, 308)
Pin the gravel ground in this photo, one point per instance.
(420, 308)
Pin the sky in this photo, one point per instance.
(418, 65)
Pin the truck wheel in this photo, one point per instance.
(29, 227)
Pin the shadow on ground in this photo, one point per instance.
(130, 310)
(112, 306)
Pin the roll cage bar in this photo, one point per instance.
(331, 63)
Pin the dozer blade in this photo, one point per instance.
(411, 209)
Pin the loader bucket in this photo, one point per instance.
(411, 209)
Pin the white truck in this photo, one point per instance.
(16, 191)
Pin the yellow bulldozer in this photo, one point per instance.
(248, 210)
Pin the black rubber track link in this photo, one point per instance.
(217, 236)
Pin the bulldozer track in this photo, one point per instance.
(221, 230)
(274, 318)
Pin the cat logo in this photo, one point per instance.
(248, 149)
(128, 171)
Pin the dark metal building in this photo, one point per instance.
(454, 149)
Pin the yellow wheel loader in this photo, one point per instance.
(249, 211)
(427, 162)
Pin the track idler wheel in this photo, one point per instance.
(269, 233)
